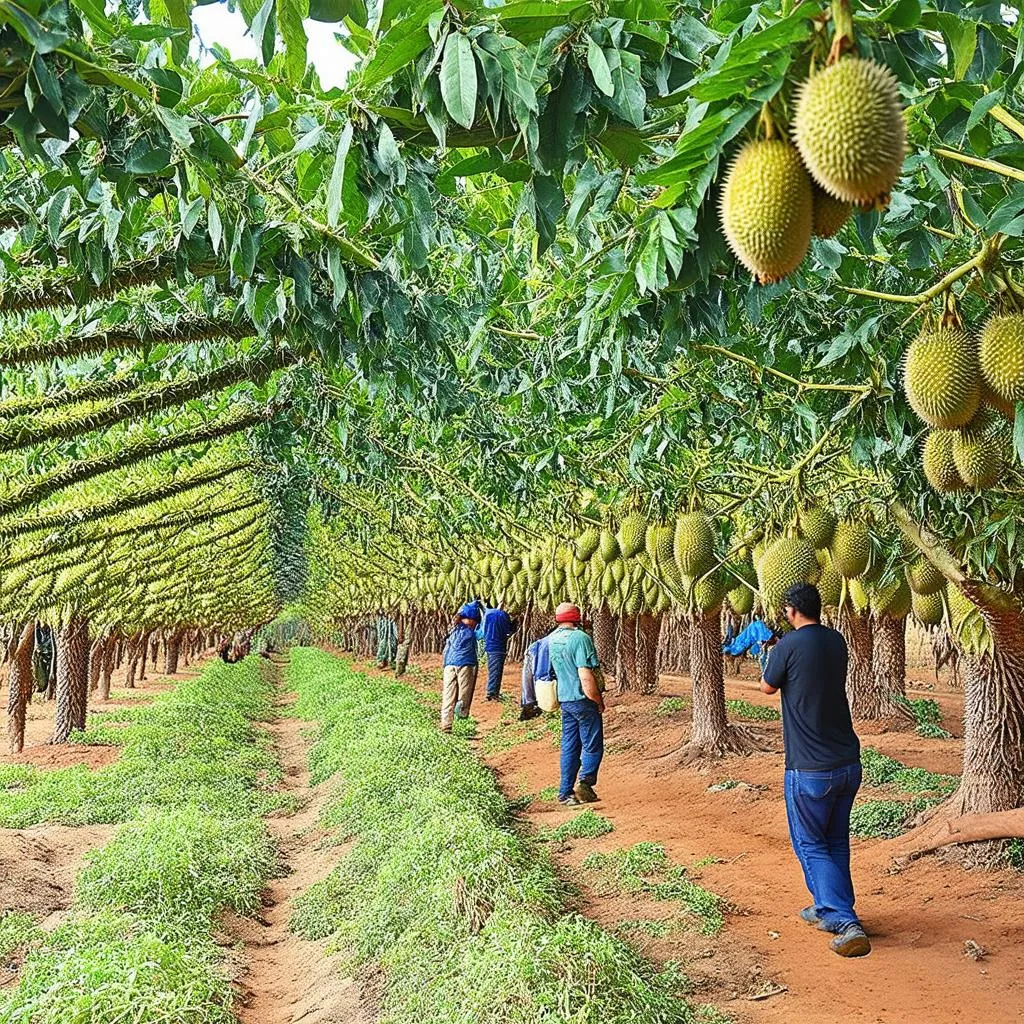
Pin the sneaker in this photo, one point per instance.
(851, 941)
(585, 792)
(493, 696)
(529, 711)
(810, 915)
(446, 729)
(569, 801)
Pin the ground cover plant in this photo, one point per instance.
(410, 898)
(137, 942)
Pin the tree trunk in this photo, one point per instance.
(95, 664)
(674, 645)
(711, 735)
(172, 647)
(107, 666)
(625, 660)
(72, 678)
(861, 690)
(145, 651)
(648, 629)
(20, 683)
(604, 637)
(889, 665)
(154, 648)
(133, 650)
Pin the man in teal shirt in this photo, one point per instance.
(575, 665)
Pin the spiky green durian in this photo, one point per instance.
(608, 545)
(818, 525)
(693, 543)
(849, 129)
(785, 562)
(941, 377)
(892, 598)
(830, 583)
(741, 599)
(767, 209)
(830, 213)
(1001, 355)
(978, 450)
(927, 608)
(924, 578)
(937, 460)
(631, 534)
(851, 548)
(586, 543)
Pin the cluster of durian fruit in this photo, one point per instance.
(847, 149)
(965, 388)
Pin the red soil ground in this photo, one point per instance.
(919, 919)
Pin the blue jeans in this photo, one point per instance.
(582, 744)
(495, 667)
(818, 806)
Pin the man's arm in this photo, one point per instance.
(774, 674)
(589, 684)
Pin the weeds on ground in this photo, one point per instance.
(588, 825)
(549, 794)
(510, 732)
(752, 712)
(437, 876)
(16, 930)
(464, 728)
(670, 706)
(137, 945)
(881, 770)
(885, 819)
(927, 715)
(645, 869)
(1015, 854)
(653, 929)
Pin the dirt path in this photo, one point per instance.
(919, 919)
(288, 979)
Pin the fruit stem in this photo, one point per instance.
(986, 165)
(842, 21)
(766, 123)
(803, 385)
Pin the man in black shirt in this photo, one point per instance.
(823, 770)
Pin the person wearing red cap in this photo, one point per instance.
(577, 668)
(460, 666)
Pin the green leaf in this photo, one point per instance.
(630, 100)
(264, 30)
(336, 185)
(458, 79)
(477, 164)
(962, 37)
(549, 202)
(900, 14)
(982, 107)
(403, 42)
(290, 14)
(214, 226)
(179, 128)
(43, 40)
(598, 64)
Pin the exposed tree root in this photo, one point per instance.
(734, 739)
(946, 826)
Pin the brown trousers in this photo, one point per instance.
(458, 684)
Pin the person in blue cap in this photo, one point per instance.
(460, 665)
(498, 626)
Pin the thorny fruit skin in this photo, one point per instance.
(830, 213)
(941, 378)
(849, 130)
(767, 209)
(1001, 355)
(851, 549)
(938, 463)
(785, 562)
(693, 543)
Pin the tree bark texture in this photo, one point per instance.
(861, 690)
(625, 659)
(20, 683)
(889, 665)
(109, 650)
(604, 638)
(172, 648)
(72, 678)
(648, 629)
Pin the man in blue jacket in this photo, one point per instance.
(498, 626)
(460, 665)
(536, 668)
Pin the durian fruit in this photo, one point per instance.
(767, 209)
(927, 608)
(990, 400)
(693, 543)
(741, 599)
(1001, 356)
(830, 213)
(937, 459)
(966, 622)
(586, 543)
(924, 578)
(651, 540)
(849, 129)
(941, 377)
(608, 545)
(785, 562)
(818, 525)
(859, 597)
(978, 451)
(851, 548)
(709, 590)
(892, 599)
(830, 583)
(631, 534)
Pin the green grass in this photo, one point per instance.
(881, 770)
(670, 706)
(16, 931)
(463, 916)
(645, 869)
(1015, 854)
(510, 732)
(885, 819)
(137, 946)
(548, 795)
(653, 929)
(928, 716)
(751, 712)
(588, 825)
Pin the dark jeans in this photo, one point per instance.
(495, 667)
(582, 744)
(818, 807)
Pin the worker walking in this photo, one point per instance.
(577, 672)
(498, 626)
(536, 669)
(460, 667)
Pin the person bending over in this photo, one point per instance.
(536, 668)
(823, 771)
